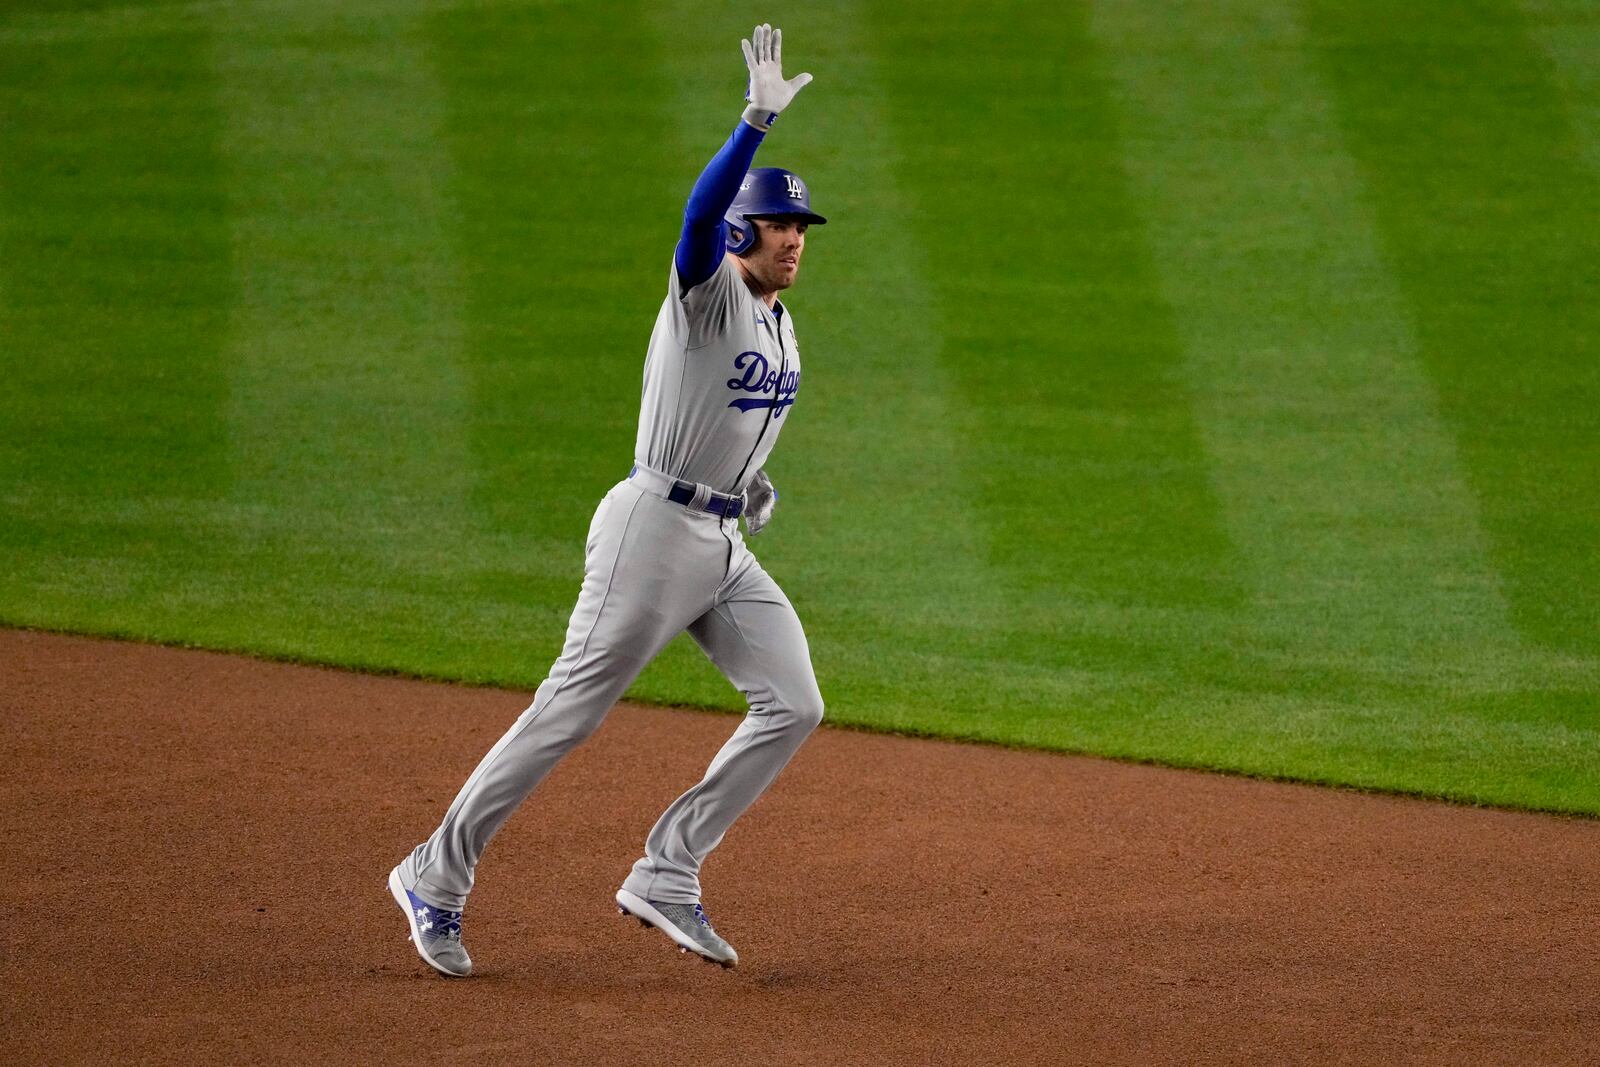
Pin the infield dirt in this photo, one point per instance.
(197, 847)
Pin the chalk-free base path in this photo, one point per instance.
(197, 845)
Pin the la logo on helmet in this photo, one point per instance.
(796, 191)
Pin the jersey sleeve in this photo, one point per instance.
(707, 309)
(700, 245)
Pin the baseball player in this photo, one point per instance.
(665, 554)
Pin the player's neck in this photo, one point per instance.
(767, 296)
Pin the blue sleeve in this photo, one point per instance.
(700, 246)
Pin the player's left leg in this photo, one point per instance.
(754, 637)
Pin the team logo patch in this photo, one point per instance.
(759, 377)
(796, 190)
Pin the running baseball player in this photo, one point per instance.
(665, 554)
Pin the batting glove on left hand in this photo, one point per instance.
(769, 92)
(759, 500)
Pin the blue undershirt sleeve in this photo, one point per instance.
(701, 244)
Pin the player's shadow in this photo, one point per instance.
(660, 969)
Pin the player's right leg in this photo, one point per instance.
(650, 569)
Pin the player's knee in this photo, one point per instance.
(807, 712)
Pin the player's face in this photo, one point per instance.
(775, 260)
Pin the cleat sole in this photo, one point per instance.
(637, 908)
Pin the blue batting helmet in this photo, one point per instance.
(766, 191)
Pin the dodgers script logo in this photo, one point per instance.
(760, 378)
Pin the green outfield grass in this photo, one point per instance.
(1209, 383)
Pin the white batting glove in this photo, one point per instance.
(769, 92)
(759, 499)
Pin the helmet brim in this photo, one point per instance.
(805, 216)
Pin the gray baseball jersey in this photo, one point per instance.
(720, 374)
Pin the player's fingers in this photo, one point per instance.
(764, 45)
(749, 55)
(777, 47)
(799, 81)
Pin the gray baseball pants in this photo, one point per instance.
(652, 570)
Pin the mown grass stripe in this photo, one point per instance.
(1568, 33)
(114, 282)
(1342, 486)
(32, 22)
(348, 396)
(1378, 612)
(114, 269)
(562, 220)
(1111, 574)
(1491, 222)
(1078, 448)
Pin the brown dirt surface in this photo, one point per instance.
(197, 847)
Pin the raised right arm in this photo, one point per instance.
(701, 244)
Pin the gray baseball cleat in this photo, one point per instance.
(435, 932)
(686, 924)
